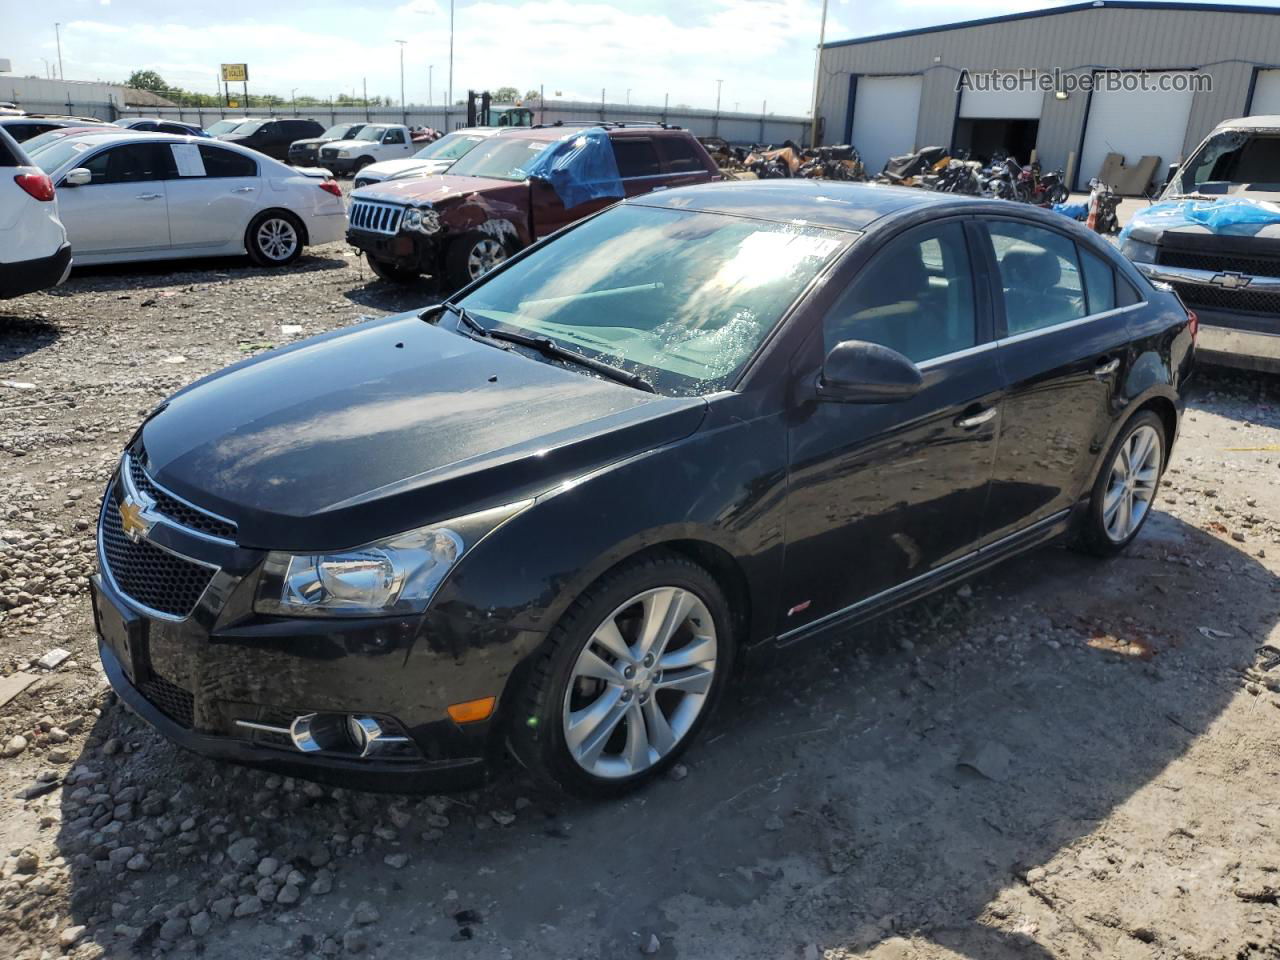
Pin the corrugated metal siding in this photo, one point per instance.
(1227, 45)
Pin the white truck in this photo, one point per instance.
(374, 142)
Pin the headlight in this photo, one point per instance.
(412, 219)
(345, 153)
(398, 575)
(1138, 251)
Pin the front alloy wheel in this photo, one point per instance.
(472, 255)
(640, 683)
(626, 679)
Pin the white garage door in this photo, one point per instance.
(885, 111)
(1001, 104)
(1135, 123)
(1266, 94)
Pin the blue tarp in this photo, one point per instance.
(1076, 211)
(580, 166)
(1231, 216)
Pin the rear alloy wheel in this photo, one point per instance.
(628, 677)
(390, 272)
(274, 239)
(1126, 486)
(472, 256)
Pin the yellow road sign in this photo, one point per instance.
(235, 73)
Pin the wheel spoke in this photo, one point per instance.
(664, 611)
(699, 649)
(636, 751)
(589, 729)
(609, 637)
(593, 666)
(691, 680)
(1112, 500)
(661, 735)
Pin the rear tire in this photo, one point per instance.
(600, 712)
(274, 239)
(472, 255)
(1126, 487)
(390, 272)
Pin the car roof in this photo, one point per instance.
(822, 203)
(125, 135)
(1250, 123)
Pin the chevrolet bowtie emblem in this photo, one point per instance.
(1230, 280)
(134, 523)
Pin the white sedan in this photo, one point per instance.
(146, 196)
(434, 158)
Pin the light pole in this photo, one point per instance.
(293, 96)
(430, 70)
(404, 114)
(715, 123)
(449, 103)
(58, 36)
(817, 73)
(628, 96)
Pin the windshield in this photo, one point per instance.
(246, 127)
(56, 154)
(449, 147)
(370, 133)
(38, 143)
(501, 158)
(1242, 157)
(222, 126)
(339, 132)
(680, 298)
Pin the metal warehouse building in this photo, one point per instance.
(893, 93)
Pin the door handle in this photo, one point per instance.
(1106, 369)
(149, 196)
(244, 189)
(976, 419)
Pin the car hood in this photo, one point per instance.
(1232, 214)
(402, 168)
(311, 142)
(341, 144)
(389, 425)
(435, 190)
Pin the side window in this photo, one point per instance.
(226, 163)
(1099, 282)
(1126, 294)
(636, 157)
(680, 155)
(146, 126)
(914, 296)
(1039, 274)
(132, 163)
(394, 136)
(173, 128)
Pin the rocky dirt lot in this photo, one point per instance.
(1064, 758)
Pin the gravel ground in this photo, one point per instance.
(1063, 758)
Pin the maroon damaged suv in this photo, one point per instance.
(457, 225)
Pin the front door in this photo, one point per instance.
(1063, 350)
(882, 494)
(123, 209)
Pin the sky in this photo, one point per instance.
(762, 50)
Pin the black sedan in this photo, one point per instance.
(550, 514)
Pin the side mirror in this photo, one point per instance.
(859, 372)
(79, 177)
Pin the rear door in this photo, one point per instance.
(883, 494)
(123, 209)
(213, 197)
(1063, 349)
(682, 161)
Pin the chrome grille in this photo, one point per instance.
(180, 512)
(329, 153)
(1220, 262)
(376, 217)
(1230, 301)
(161, 581)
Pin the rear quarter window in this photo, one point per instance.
(681, 156)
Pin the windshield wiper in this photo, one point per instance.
(471, 323)
(549, 348)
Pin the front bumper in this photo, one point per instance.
(341, 166)
(1239, 314)
(304, 156)
(28, 276)
(419, 251)
(216, 678)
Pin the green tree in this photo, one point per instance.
(505, 94)
(532, 95)
(147, 80)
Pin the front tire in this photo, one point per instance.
(390, 272)
(274, 239)
(470, 256)
(1126, 486)
(626, 679)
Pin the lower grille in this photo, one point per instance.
(153, 577)
(170, 699)
(1230, 301)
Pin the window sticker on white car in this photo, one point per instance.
(187, 157)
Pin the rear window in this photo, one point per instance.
(10, 152)
(636, 156)
(681, 156)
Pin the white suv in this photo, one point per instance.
(34, 253)
(434, 158)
